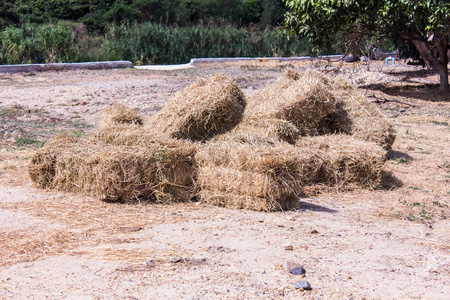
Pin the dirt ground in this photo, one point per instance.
(389, 243)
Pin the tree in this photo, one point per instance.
(424, 23)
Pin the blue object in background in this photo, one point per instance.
(390, 58)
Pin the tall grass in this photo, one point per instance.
(142, 44)
(37, 44)
(155, 43)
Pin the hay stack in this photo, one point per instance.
(344, 159)
(204, 109)
(118, 114)
(256, 176)
(159, 171)
(306, 102)
(358, 117)
(43, 163)
(268, 129)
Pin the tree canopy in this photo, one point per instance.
(422, 23)
(98, 13)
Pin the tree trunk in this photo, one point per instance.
(443, 83)
(438, 65)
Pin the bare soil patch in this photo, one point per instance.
(388, 243)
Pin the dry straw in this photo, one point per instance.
(206, 108)
(360, 118)
(160, 171)
(306, 102)
(261, 164)
(258, 176)
(269, 129)
(317, 105)
(118, 114)
(344, 159)
(43, 163)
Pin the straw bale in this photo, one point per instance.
(258, 176)
(135, 136)
(358, 117)
(206, 108)
(159, 171)
(118, 114)
(269, 129)
(304, 101)
(42, 165)
(344, 159)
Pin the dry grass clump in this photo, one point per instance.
(344, 159)
(255, 176)
(319, 105)
(306, 102)
(134, 136)
(42, 165)
(270, 129)
(358, 117)
(206, 108)
(118, 114)
(159, 171)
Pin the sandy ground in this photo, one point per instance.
(390, 243)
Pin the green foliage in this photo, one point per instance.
(41, 44)
(422, 23)
(142, 43)
(97, 14)
(153, 43)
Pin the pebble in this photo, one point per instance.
(288, 266)
(298, 271)
(303, 285)
(175, 260)
(213, 249)
(288, 247)
(130, 229)
(195, 261)
(149, 263)
(294, 268)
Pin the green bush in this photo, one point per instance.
(155, 43)
(37, 44)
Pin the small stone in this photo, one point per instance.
(288, 266)
(175, 260)
(298, 271)
(195, 261)
(130, 229)
(149, 263)
(303, 285)
(289, 218)
(288, 247)
(314, 231)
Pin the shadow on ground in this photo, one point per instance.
(302, 206)
(389, 181)
(392, 154)
(421, 91)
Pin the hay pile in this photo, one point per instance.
(42, 165)
(269, 129)
(315, 105)
(118, 114)
(299, 132)
(159, 171)
(258, 176)
(306, 102)
(358, 117)
(343, 160)
(204, 109)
